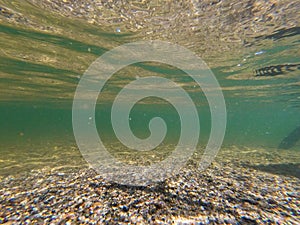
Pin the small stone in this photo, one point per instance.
(124, 208)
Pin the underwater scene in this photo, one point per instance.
(230, 154)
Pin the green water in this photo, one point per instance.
(39, 71)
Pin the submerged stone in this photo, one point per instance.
(290, 140)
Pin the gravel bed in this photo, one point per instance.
(227, 194)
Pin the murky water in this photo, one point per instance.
(47, 45)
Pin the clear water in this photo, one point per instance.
(45, 49)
